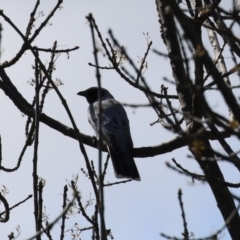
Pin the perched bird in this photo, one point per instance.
(115, 131)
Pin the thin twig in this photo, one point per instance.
(143, 62)
(32, 19)
(21, 154)
(40, 205)
(17, 204)
(105, 166)
(193, 175)
(115, 183)
(64, 216)
(55, 51)
(7, 210)
(81, 206)
(99, 129)
(35, 153)
(185, 233)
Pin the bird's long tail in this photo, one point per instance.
(124, 166)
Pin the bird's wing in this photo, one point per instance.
(114, 122)
(115, 126)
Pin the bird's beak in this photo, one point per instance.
(83, 93)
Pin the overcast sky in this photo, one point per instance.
(136, 210)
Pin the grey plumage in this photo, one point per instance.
(115, 131)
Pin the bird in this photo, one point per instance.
(115, 131)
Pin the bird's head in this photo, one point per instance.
(91, 94)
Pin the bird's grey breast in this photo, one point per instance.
(92, 117)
